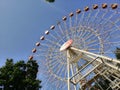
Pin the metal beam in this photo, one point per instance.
(92, 55)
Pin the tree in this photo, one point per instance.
(31, 74)
(19, 76)
(117, 53)
(5, 74)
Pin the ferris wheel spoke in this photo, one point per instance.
(61, 29)
(104, 13)
(100, 19)
(54, 50)
(92, 32)
(115, 39)
(53, 78)
(47, 82)
(117, 30)
(51, 65)
(72, 32)
(56, 56)
(56, 69)
(75, 25)
(70, 20)
(41, 48)
(66, 30)
(91, 42)
(59, 69)
(88, 17)
(88, 36)
(45, 45)
(106, 32)
(61, 62)
(114, 24)
(53, 43)
(81, 32)
(81, 18)
(54, 37)
(106, 25)
(57, 34)
(118, 19)
(93, 37)
(94, 17)
(115, 43)
(108, 19)
(52, 75)
(48, 77)
(84, 33)
(58, 85)
(92, 47)
(40, 55)
(76, 21)
(106, 36)
(37, 54)
(54, 63)
(109, 52)
(63, 71)
(65, 74)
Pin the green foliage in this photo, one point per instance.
(19, 76)
(50, 1)
(117, 53)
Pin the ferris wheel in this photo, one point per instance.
(79, 50)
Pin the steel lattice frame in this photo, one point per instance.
(95, 32)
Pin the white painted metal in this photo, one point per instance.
(68, 69)
(72, 71)
(100, 56)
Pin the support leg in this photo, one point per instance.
(68, 69)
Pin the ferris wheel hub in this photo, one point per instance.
(66, 45)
